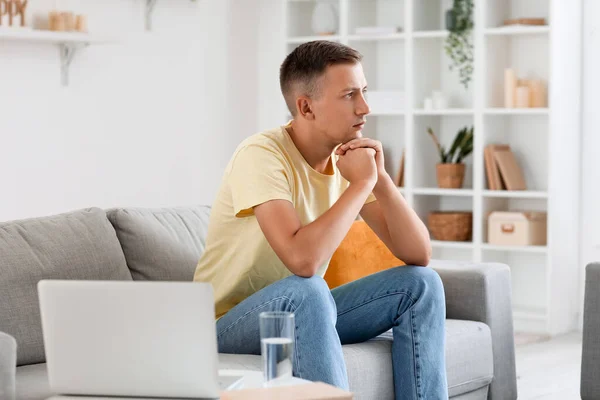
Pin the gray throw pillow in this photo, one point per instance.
(161, 244)
(76, 245)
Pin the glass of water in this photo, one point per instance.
(277, 334)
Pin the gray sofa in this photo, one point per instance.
(590, 355)
(165, 244)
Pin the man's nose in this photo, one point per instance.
(362, 107)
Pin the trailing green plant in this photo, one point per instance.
(459, 45)
(462, 146)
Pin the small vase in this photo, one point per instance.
(324, 19)
(450, 176)
(450, 20)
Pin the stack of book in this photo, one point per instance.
(502, 169)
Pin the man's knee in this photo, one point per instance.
(313, 293)
(426, 282)
(433, 287)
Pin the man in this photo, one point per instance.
(287, 200)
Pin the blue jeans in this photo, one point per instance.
(409, 300)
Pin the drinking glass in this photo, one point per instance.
(277, 334)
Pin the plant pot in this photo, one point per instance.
(455, 226)
(450, 176)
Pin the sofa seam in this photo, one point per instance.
(490, 377)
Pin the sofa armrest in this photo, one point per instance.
(8, 366)
(482, 292)
(590, 358)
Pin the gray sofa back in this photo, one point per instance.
(91, 244)
(76, 245)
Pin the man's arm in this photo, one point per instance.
(390, 217)
(397, 224)
(303, 249)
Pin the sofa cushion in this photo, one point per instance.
(162, 244)
(32, 382)
(76, 245)
(468, 365)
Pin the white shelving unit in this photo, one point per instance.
(69, 43)
(545, 140)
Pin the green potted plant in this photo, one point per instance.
(459, 46)
(451, 169)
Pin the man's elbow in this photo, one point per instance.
(420, 258)
(303, 267)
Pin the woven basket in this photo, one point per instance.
(450, 176)
(456, 226)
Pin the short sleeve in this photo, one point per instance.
(258, 174)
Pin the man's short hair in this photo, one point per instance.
(303, 66)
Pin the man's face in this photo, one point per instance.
(340, 106)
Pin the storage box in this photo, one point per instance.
(308, 391)
(517, 228)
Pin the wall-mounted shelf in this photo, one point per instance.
(69, 43)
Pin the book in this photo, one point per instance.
(491, 167)
(510, 170)
(400, 176)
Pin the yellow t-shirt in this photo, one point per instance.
(238, 260)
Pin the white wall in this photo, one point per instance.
(149, 121)
(590, 207)
(272, 50)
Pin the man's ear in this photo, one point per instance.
(304, 107)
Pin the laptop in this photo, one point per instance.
(131, 339)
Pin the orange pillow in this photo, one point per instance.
(361, 253)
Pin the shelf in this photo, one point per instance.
(518, 30)
(304, 39)
(69, 43)
(414, 60)
(443, 192)
(430, 34)
(386, 113)
(440, 244)
(516, 194)
(373, 38)
(521, 249)
(447, 111)
(41, 36)
(517, 111)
